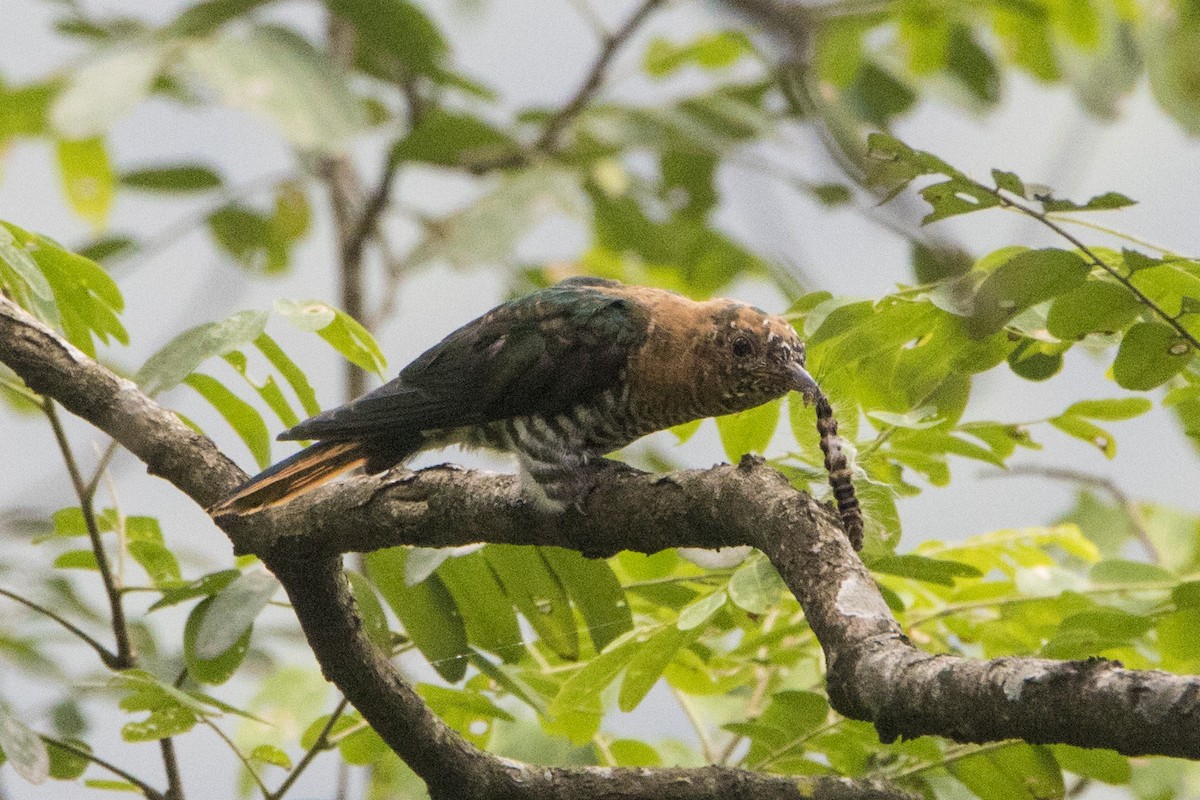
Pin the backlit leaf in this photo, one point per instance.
(233, 612)
(1151, 353)
(241, 416)
(427, 611)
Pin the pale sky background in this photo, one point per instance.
(536, 51)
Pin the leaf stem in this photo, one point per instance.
(171, 766)
(262, 787)
(125, 656)
(1096, 261)
(321, 743)
(149, 791)
(1096, 226)
(109, 658)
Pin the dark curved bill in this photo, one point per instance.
(804, 383)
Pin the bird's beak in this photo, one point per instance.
(804, 383)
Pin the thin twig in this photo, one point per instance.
(125, 656)
(706, 742)
(262, 787)
(1095, 260)
(1136, 519)
(171, 766)
(101, 466)
(320, 744)
(109, 658)
(149, 791)
(548, 141)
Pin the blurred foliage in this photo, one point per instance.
(532, 648)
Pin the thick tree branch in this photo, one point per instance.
(320, 595)
(874, 673)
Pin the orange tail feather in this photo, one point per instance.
(293, 476)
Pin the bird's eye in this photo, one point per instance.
(742, 347)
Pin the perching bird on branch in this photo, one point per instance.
(560, 377)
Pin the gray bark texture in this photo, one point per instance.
(874, 673)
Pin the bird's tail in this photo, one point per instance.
(293, 476)
(838, 467)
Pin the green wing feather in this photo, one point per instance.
(540, 354)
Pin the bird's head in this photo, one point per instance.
(756, 357)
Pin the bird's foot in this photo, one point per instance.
(570, 486)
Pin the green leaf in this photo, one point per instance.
(1036, 361)
(470, 713)
(1110, 409)
(149, 550)
(1178, 641)
(172, 711)
(877, 95)
(1086, 431)
(267, 389)
(427, 611)
(1024, 280)
(972, 65)
(263, 241)
(1096, 306)
(362, 747)
(88, 178)
(172, 179)
(205, 17)
(218, 668)
(107, 88)
(923, 568)
(756, 586)
(25, 110)
(634, 753)
(23, 748)
(790, 716)
(698, 613)
(1170, 50)
(1119, 570)
(538, 595)
(576, 706)
(647, 665)
(595, 591)
(180, 356)
(748, 431)
(270, 754)
(26, 284)
(452, 139)
(1101, 202)
(487, 613)
(1150, 354)
(397, 29)
(87, 299)
(711, 51)
(279, 75)
(66, 765)
(370, 610)
(291, 373)
(1107, 766)
(111, 786)
(201, 587)
(487, 230)
(77, 559)
(241, 416)
(1015, 772)
(335, 326)
(233, 612)
(1169, 285)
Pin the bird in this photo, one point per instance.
(561, 377)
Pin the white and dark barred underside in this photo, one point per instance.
(561, 454)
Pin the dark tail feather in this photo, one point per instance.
(838, 467)
(293, 476)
